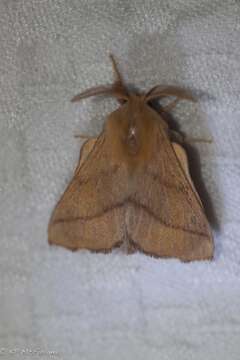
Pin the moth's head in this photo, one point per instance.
(120, 91)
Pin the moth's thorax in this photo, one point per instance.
(130, 130)
(132, 140)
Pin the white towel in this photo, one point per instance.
(94, 306)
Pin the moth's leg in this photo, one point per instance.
(176, 136)
(181, 138)
(182, 157)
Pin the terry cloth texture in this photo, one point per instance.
(95, 306)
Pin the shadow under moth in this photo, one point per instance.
(132, 186)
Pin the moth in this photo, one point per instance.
(132, 186)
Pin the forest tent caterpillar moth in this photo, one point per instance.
(132, 185)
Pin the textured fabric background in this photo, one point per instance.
(95, 306)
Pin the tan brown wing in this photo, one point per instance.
(90, 214)
(165, 216)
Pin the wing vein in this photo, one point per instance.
(165, 223)
(120, 205)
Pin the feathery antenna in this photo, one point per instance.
(117, 89)
(119, 78)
